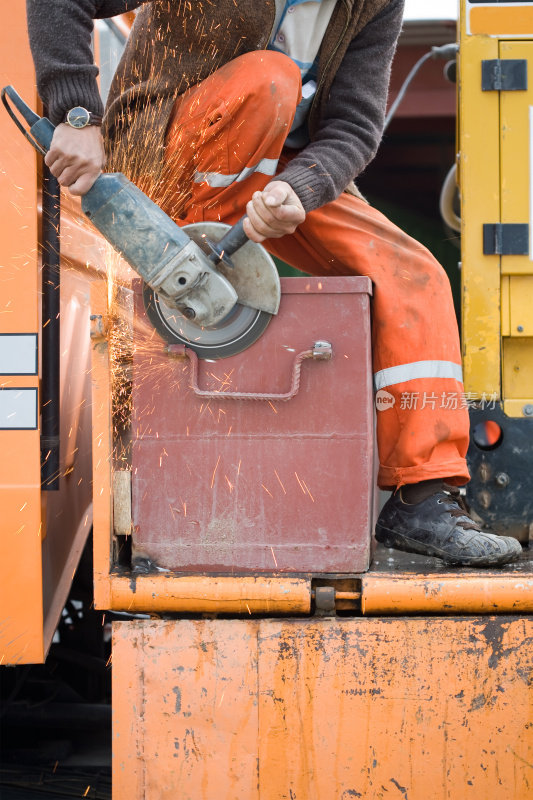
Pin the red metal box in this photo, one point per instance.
(225, 485)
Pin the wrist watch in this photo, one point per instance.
(79, 117)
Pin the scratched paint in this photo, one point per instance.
(301, 709)
(290, 488)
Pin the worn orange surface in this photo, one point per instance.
(323, 709)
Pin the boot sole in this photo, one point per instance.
(400, 542)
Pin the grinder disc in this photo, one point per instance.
(237, 331)
(256, 280)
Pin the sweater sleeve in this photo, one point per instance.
(351, 126)
(60, 35)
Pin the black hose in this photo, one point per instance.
(50, 467)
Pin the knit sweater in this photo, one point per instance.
(175, 44)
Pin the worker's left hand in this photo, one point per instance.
(274, 212)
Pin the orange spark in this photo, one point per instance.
(299, 481)
(280, 482)
(307, 490)
(214, 472)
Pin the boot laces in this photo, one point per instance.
(457, 507)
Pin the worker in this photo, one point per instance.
(271, 108)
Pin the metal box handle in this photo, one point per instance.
(322, 351)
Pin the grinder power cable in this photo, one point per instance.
(206, 285)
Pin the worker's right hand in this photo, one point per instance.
(76, 157)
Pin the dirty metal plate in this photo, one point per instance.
(417, 708)
(252, 485)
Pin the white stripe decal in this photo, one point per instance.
(417, 370)
(18, 409)
(267, 166)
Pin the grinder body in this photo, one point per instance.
(159, 250)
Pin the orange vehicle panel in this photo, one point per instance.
(20, 495)
(322, 710)
(42, 534)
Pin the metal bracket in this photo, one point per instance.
(506, 239)
(325, 601)
(504, 75)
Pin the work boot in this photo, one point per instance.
(440, 526)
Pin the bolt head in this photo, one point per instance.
(528, 410)
(503, 479)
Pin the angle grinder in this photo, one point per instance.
(206, 285)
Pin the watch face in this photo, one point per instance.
(78, 117)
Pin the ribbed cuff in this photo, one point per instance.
(73, 90)
(308, 185)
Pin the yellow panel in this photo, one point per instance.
(521, 307)
(516, 167)
(506, 309)
(518, 369)
(515, 408)
(480, 200)
(506, 21)
(426, 709)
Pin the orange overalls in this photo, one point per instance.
(224, 141)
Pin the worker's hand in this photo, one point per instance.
(274, 212)
(76, 157)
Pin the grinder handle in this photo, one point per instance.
(230, 242)
(41, 131)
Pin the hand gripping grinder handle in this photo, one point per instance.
(174, 266)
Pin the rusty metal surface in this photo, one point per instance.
(225, 485)
(322, 709)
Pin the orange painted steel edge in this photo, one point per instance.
(204, 594)
(447, 594)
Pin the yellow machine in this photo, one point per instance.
(495, 174)
(409, 680)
